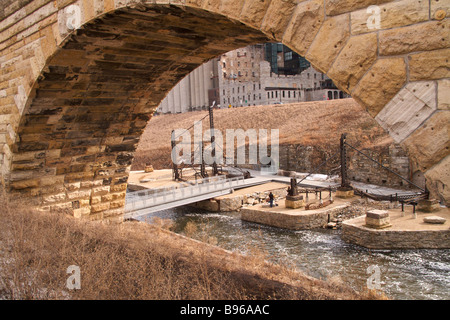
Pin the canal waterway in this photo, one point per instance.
(404, 274)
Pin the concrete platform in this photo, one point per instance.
(405, 232)
(294, 219)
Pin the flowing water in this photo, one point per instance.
(403, 274)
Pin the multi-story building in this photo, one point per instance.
(255, 75)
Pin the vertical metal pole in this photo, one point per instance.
(344, 180)
(176, 175)
(202, 166)
(213, 139)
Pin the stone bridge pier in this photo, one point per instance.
(80, 79)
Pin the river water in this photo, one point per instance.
(403, 274)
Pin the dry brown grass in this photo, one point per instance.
(135, 260)
(307, 123)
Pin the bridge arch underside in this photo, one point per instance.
(76, 139)
(75, 105)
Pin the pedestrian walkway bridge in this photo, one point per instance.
(147, 201)
(151, 200)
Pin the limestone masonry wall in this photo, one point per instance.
(81, 78)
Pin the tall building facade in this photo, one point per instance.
(255, 75)
(196, 91)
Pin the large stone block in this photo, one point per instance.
(275, 20)
(332, 36)
(380, 84)
(422, 37)
(335, 7)
(358, 55)
(377, 219)
(429, 65)
(392, 14)
(304, 25)
(438, 181)
(430, 143)
(408, 109)
(254, 11)
(439, 9)
(444, 94)
(429, 205)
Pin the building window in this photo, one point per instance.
(289, 94)
(238, 89)
(268, 95)
(288, 56)
(283, 93)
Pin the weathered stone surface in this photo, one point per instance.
(393, 14)
(332, 36)
(439, 6)
(428, 205)
(254, 11)
(230, 8)
(380, 84)
(344, 193)
(334, 7)
(422, 37)
(429, 65)
(434, 220)
(305, 23)
(438, 181)
(430, 143)
(444, 94)
(353, 61)
(275, 22)
(408, 109)
(294, 204)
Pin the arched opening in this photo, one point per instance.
(77, 135)
(81, 104)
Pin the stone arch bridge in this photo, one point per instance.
(80, 79)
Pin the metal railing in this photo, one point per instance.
(142, 199)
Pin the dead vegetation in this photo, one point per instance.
(135, 260)
(315, 123)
